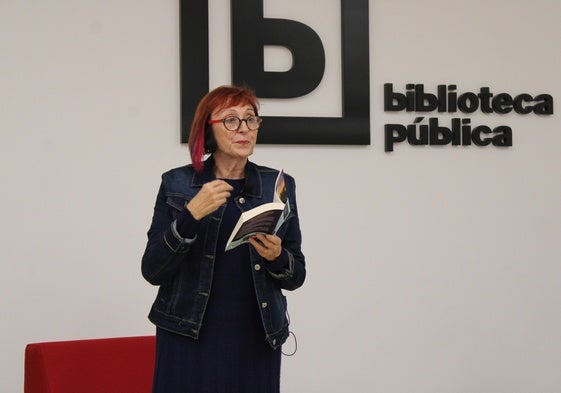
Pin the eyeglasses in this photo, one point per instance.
(233, 123)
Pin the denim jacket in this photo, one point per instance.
(183, 268)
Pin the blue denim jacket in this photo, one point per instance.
(183, 268)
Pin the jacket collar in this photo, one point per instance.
(253, 183)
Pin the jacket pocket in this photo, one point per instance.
(176, 203)
(278, 315)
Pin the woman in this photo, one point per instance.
(220, 315)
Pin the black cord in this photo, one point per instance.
(295, 345)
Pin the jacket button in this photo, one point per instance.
(257, 267)
(264, 305)
(241, 200)
(275, 341)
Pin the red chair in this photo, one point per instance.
(105, 365)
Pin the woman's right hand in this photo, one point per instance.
(211, 196)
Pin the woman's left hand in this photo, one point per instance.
(268, 246)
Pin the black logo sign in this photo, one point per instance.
(251, 32)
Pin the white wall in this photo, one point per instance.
(430, 269)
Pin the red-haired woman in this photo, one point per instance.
(220, 316)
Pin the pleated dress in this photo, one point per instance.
(231, 354)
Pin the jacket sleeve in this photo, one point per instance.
(166, 249)
(293, 273)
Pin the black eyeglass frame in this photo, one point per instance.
(240, 121)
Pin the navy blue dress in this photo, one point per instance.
(231, 354)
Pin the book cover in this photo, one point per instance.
(266, 219)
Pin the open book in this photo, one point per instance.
(266, 219)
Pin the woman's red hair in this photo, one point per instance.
(217, 99)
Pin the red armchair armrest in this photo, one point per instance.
(106, 365)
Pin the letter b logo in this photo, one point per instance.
(251, 32)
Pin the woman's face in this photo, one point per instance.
(234, 144)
